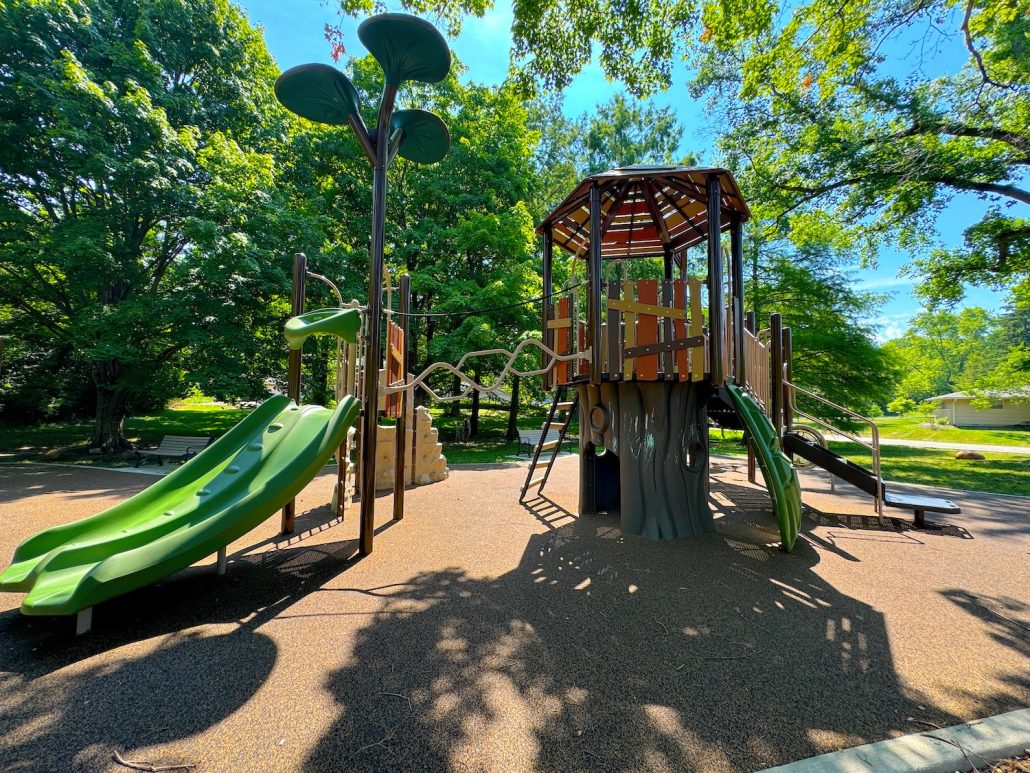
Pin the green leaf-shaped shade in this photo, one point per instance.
(317, 92)
(406, 47)
(426, 139)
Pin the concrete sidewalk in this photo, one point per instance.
(981, 447)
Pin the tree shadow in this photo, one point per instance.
(190, 681)
(602, 651)
(24, 481)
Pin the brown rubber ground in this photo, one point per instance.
(483, 635)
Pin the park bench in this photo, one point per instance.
(529, 438)
(179, 447)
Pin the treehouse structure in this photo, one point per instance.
(664, 346)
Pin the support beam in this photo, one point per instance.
(402, 420)
(716, 303)
(293, 370)
(594, 290)
(788, 377)
(545, 310)
(374, 327)
(84, 621)
(776, 371)
(221, 560)
(737, 301)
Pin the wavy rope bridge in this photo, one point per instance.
(471, 384)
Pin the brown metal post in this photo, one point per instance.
(548, 334)
(749, 323)
(737, 301)
(594, 290)
(402, 420)
(300, 274)
(788, 349)
(716, 302)
(776, 371)
(374, 326)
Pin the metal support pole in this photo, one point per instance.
(400, 461)
(374, 327)
(667, 263)
(300, 274)
(749, 323)
(737, 304)
(788, 379)
(716, 302)
(594, 294)
(776, 371)
(548, 334)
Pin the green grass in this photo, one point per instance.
(919, 428)
(999, 473)
(189, 418)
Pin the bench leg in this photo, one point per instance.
(84, 621)
(223, 561)
(920, 518)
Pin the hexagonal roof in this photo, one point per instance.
(644, 208)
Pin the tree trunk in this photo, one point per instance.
(474, 420)
(513, 412)
(454, 407)
(109, 429)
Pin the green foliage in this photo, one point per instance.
(137, 211)
(901, 405)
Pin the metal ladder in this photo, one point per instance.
(561, 413)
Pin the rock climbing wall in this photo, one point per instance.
(654, 469)
(426, 462)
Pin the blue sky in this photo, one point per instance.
(294, 33)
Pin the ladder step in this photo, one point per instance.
(565, 406)
(549, 445)
(556, 425)
(535, 481)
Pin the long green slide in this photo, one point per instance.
(218, 496)
(780, 476)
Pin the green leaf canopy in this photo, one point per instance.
(406, 47)
(317, 92)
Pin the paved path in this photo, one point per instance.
(484, 635)
(981, 447)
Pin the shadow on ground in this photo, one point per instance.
(607, 652)
(189, 682)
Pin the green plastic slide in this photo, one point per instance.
(228, 489)
(780, 476)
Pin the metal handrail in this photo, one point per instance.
(874, 446)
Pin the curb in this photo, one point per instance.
(957, 748)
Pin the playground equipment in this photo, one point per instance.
(407, 49)
(655, 359)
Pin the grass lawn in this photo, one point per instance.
(918, 428)
(999, 473)
(202, 419)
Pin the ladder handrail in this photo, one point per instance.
(873, 446)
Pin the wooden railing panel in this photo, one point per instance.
(680, 326)
(563, 338)
(613, 334)
(630, 333)
(668, 358)
(697, 354)
(647, 330)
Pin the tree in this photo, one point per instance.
(901, 405)
(137, 208)
(811, 106)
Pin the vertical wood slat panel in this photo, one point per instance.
(697, 354)
(680, 302)
(667, 357)
(614, 333)
(631, 331)
(551, 376)
(581, 334)
(604, 348)
(647, 329)
(561, 342)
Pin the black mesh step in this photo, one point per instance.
(722, 414)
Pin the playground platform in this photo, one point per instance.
(487, 635)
